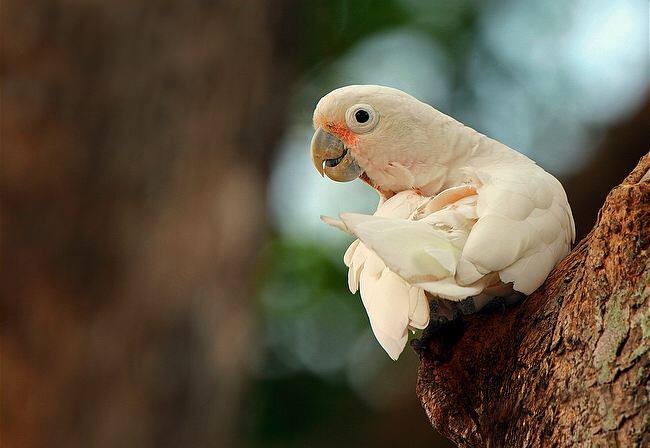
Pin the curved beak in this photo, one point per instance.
(332, 159)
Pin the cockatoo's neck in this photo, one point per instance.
(441, 159)
(471, 149)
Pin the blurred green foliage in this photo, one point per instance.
(310, 318)
(328, 28)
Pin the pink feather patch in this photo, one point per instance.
(340, 130)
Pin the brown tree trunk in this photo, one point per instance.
(569, 366)
(135, 138)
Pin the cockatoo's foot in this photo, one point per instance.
(439, 316)
(444, 314)
(500, 304)
(438, 339)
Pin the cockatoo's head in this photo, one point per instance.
(380, 134)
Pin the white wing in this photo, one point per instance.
(393, 305)
(524, 227)
(415, 250)
(518, 225)
(511, 227)
(425, 253)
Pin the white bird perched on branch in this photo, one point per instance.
(461, 219)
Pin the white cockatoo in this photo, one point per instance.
(461, 219)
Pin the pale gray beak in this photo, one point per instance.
(332, 159)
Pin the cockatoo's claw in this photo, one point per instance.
(496, 305)
(500, 304)
(437, 340)
(514, 298)
(418, 346)
(436, 322)
(437, 317)
(467, 306)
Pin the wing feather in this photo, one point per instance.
(524, 228)
(412, 249)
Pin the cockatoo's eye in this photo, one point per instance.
(361, 118)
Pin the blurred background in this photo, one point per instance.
(166, 281)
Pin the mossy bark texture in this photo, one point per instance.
(568, 367)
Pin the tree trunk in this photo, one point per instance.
(135, 139)
(569, 366)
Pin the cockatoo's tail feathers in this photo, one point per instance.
(392, 305)
(391, 345)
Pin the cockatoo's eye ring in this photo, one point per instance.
(361, 118)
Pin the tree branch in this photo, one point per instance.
(570, 365)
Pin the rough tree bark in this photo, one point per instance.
(569, 366)
(132, 133)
